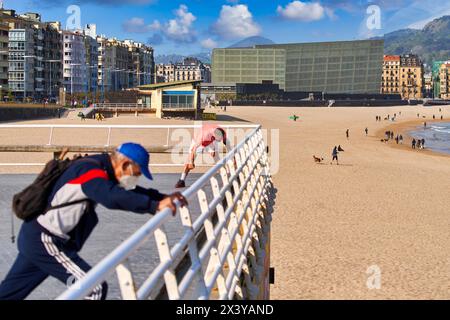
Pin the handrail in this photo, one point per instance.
(118, 126)
(236, 243)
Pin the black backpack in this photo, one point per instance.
(32, 201)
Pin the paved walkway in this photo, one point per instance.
(114, 227)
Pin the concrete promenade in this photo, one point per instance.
(113, 228)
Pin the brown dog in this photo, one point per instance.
(317, 160)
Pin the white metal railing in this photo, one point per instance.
(233, 260)
(109, 129)
(120, 105)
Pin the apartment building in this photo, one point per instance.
(165, 72)
(4, 41)
(34, 55)
(411, 77)
(75, 74)
(189, 69)
(391, 75)
(403, 75)
(444, 81)
(141, 69)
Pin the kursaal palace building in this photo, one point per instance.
(353, 67)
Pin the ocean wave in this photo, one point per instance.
(443, 131)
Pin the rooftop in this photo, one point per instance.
(167, 84)
(391, 58)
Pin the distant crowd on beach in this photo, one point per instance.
(391, 136)
(418, 144)
(388, 117)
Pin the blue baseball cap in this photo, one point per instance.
(137, 154)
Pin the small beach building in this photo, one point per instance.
(173, 99)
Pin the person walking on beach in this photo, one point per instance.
(392, 135)
(334, 155)
(400, 139)
(422, 144)
(206, 140)
(413, 143)
(419, 144)
(397, 139)
(49, 243)
(425, 124)
(367, 131)
(347, 133)
(387, 134)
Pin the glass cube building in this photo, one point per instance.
(331, 67)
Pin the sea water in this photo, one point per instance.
(436, 135)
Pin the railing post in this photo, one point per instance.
(109, 137)
(168, 136)
(126, 282)
(225, 241)
(164, 255)
(214, 261)
(186, 221)
(51, 137)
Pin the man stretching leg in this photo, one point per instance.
(205, 141)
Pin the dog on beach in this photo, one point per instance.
(317, 160)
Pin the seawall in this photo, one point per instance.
(30, 113)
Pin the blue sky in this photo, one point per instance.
(192, 26)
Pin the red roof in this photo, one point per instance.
(391, 58)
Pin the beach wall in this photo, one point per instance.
(30, 113)
(323, 103)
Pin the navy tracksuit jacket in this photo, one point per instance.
(49, 244)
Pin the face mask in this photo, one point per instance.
(129, 182)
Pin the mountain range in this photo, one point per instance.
(205, 57)
(432, 43)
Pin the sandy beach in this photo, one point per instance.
(383, 205)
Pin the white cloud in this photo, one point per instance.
(209, 44)
(236, 22)
(304, 11)
(138, 25)
(180, 28)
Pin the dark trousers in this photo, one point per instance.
(41, 255)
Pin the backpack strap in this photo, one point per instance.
(67, 204)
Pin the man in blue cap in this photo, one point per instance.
(49, 244)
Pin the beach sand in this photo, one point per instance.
(382, 206)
